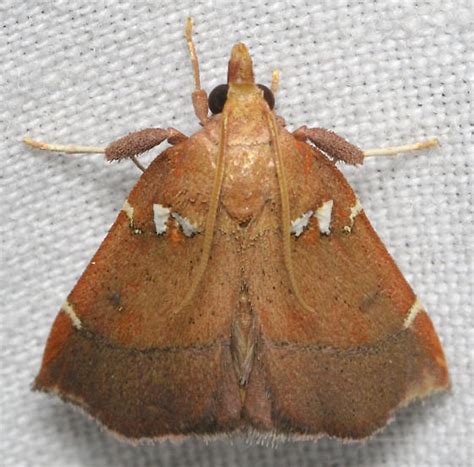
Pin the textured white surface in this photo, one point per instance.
(385, 72)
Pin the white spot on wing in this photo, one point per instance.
(160, 217)
(69, 310)
(323, 214)
(355, 211)
(412, 312)
(128, 210)
(298, 225)
(188, 228)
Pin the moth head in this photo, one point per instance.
(240, 82)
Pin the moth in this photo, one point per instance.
(241, 288)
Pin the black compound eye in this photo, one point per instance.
(217, 98)
(268, 96)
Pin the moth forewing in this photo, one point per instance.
(241, 289)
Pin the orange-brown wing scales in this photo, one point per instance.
(130, 357)
(130, 291)
(344, 368)
(137, 280)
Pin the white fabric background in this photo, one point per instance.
(377, 72)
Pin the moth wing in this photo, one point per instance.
(368, 346)
(119, 348)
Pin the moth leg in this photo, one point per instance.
(339, 149)
(199, 96)
(66, 148)
(335, 146)
(394, 150)
(127, 147)
(140, 141)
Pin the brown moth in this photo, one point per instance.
(241, 289)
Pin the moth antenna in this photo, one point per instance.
(285, 213)
(394, 150)
(275, 81)
(199, 96)
(73, 149)
(211, 218)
